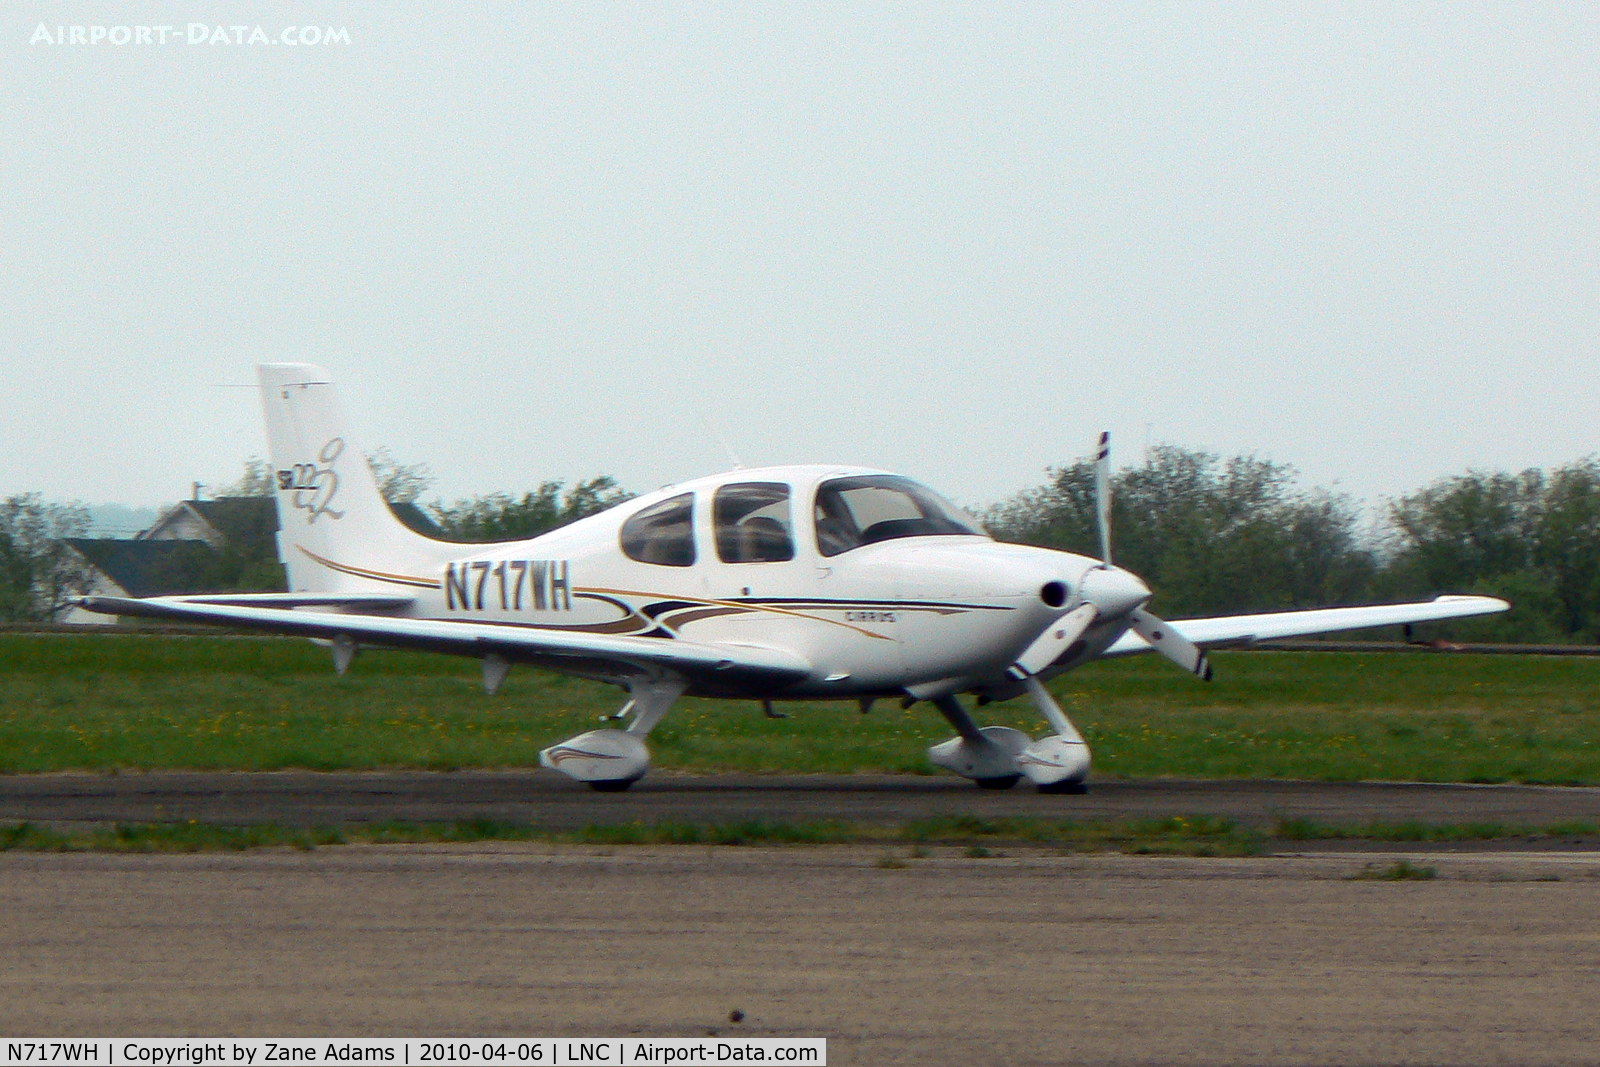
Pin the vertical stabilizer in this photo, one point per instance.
(335, 532)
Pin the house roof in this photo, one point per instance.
(245, 523)
(149, 568)
(245, 554)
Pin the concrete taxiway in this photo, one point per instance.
(937, 956)
(1026, 958)
(547, 799)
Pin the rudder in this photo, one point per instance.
(335, 531)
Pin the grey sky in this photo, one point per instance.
(956, 241)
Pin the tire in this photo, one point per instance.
(1074, 788)
(612, 785)
(1003, 782)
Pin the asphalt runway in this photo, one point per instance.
(546, 799)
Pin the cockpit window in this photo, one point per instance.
(662, 533)
(752, 521)
(852, 512)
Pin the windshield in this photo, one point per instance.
(851, 512)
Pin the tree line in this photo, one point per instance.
(1214, 536)
(40, 572)
(1210, 535)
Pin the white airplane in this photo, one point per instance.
(796, 582)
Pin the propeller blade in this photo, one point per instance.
(1056, 639)
(1102, 494)
(1171, 644)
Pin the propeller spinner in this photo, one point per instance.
(1109, 592)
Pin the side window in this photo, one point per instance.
(662, 533)
(752, 522)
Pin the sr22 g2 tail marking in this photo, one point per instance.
(314, 487)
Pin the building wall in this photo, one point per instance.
(181, 524)
(101, 586)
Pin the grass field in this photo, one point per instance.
(1200, 835)
(106, 701)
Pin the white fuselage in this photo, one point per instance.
(873, 619)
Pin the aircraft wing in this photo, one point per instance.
(357, 601)
(713, 669)
(1245, 629)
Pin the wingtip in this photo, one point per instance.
(1471, 598)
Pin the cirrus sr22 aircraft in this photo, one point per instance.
(796, 582)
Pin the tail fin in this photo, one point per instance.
(335, 532)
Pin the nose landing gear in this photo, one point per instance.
(988, 755)
(996, 757)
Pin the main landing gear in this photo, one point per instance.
(612, 760)
(996, 757)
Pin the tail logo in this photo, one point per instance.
(315, 487)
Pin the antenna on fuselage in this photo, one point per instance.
(711, 428)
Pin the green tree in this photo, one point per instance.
(16, 582)
(1466, 528)
(256, 481)
(1210, 536)
(1567, 544)
(399, 483)
(1329, 560)
(39, 572)
(1531, 538)
(502, 517)
(1535, 615)
(1059, 514)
